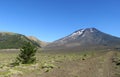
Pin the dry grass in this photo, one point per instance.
(82, 64)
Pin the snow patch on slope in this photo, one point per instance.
(91, 30)
(80, 32)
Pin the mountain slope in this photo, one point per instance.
(13, 40)
(85, 39)
(41, 43)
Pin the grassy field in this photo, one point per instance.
(52, 64)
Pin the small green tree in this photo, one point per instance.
(27, 54)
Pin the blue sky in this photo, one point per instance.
(50, 20)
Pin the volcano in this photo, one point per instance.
(89, 38)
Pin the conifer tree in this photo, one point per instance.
(27, 54)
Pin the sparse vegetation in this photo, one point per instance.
(48, 63)
(45, 63)
(48, 67)
(116, 61)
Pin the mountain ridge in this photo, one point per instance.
(85, 38)
(41, 43)
(11, 40)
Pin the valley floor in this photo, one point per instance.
(100, 66)
(72, 65)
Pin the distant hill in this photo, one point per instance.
(41, 43)
(9, 40)
(89, 38)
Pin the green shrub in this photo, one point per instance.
(116, 60)
(48, 67)
(27, 54)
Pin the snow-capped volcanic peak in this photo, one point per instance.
(82, 32)
(79, 32)
(91, 30)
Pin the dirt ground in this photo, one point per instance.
(100, 66)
